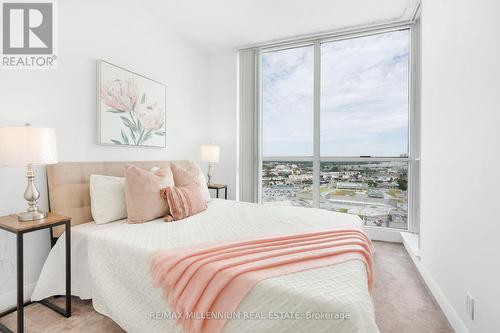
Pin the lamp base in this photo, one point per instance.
(31, 216)
(209, 174)
(31, 195)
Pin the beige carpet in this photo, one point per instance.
(402, 303)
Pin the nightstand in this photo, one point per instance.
(11, 224)
(218, 187)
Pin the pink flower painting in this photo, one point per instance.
(141, 118)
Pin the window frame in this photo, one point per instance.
(413, 158)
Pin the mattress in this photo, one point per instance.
(110, 266)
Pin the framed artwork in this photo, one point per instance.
(130, 108)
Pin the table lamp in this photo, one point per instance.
(210, 154)
(27, 146)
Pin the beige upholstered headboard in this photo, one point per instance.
(68, 185)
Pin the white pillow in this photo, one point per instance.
(107, 198)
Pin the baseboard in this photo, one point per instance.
(453, 318)
(9, 299)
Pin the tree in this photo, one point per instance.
(402, 184)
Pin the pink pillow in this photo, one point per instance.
(142, 193)
(184, 201)
(188, 175)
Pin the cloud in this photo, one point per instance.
(364, 98)
(287, 86)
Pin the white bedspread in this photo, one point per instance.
(110, 265)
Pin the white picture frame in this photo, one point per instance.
(131, 108)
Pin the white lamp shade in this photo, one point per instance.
(210, 153)
(20, 146)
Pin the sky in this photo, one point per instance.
(364, 98)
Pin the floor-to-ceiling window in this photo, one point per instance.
(335, 128)
(287, 125)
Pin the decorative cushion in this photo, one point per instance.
(107, 198)
(183, 201)
(184, 176)
(142, 189)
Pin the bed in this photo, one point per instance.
(110, 263)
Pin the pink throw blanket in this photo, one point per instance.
(210, 280)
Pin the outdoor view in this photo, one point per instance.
(288, 183)
(364, 96)
(375, 191)
(364, 114)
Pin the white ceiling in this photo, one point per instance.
(219, 24)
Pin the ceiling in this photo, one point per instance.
(220, 24)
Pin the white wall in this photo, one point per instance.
(127, 35)
(460, 157)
